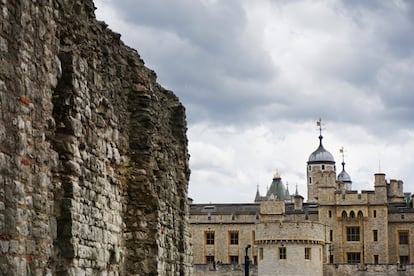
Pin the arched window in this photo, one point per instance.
(352, 214)
(344, 215)
(360, 215)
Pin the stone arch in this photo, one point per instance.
(344, 214)
(352, 214)
(360, 214)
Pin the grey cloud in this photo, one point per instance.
(223, 76)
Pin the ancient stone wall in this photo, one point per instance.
(368, 270)
(93, 152)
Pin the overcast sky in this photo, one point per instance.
(255, 76)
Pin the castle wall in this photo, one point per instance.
(368, 270)
(222, 226)
(295, 237)
(93, 152)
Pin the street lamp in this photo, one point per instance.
(246, 261)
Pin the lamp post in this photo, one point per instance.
(246, 261)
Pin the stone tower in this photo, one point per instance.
(344, 180)
(320, 169)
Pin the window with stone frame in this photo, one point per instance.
(282, 253)
(404, 259)
(376, 259)
(209, 238)
(234, 259)
(352, 233)
(307, 253)
(353, 257)
(234, 237)
(403, 237)
(210, 259)
(375, 235)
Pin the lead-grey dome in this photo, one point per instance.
(321, 155)
(344, 176)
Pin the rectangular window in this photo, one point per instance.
(352, 233)
(375, 213)
(210, 259)
(260, 253)
(282, 253)
(375, 235)
(404, 259)
(330, 235)
(234, 259)
(331, 259)
(209, 237)
(329, 213)
(376, 259)
(307, 253)
(403, 237)
(234, 237)
(354, 257)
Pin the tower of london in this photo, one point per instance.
(337, 231)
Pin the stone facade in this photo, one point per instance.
(93, 152)
(301, 242)
(337, 232)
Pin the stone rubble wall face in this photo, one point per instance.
(93, 152)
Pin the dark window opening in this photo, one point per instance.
(354, 257)
(210, 259)
(404, 259)
(234, 259)
(307, 253)
(282, 253)
(234, 238)
(210, 238)
(352, 233)
(403, 237)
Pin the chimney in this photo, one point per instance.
(298, 202)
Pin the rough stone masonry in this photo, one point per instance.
(93, 152)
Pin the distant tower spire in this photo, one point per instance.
(319, 124)
(257, 198)
(296, 192)
(342, 151)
